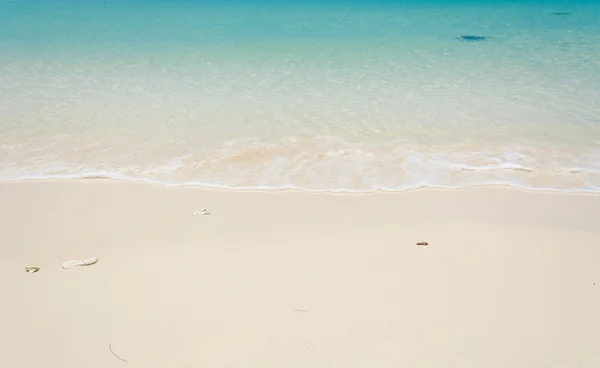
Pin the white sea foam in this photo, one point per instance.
(325, 164)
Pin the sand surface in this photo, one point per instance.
(509, 278)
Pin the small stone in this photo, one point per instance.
(423, 243)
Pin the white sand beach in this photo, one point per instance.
(287, 279)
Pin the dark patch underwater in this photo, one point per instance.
(470, 38)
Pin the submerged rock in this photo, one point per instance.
(470, 38)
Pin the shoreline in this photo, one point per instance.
(424, 187)
(295, 279)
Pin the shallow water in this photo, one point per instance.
(354, 96)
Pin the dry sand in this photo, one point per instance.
(509, 279)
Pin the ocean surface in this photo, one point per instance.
(313, 95)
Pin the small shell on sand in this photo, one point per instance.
(31, 268)
(203, 211)
(79, 262)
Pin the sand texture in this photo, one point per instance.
(508, 278)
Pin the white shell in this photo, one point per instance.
(31, 268)
(79, 262)
(203, 211)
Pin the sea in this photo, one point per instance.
(329, 95)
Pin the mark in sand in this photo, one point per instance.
(203, 211)
(116, 356)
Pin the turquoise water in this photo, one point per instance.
(333, 95)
